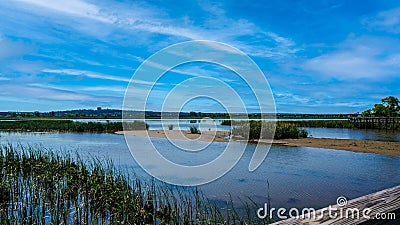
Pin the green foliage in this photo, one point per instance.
(392, 105)
(367, 113)
(282, 130)
(389, 107)
(289, 131)
(59, 125)
(136, 125)
(320, 123)
(226, 122)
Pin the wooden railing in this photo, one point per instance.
(389, 123)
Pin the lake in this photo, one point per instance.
(358, 134)
(210, 124)
(298, 176)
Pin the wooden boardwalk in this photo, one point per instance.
(386, 201)
(388, 123)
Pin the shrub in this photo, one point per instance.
(282, 130)
(194, 130)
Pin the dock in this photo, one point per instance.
(387, 123)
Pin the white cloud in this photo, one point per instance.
(38, 91)
(358, 58)
(388, 20)
(72, 7)
(105, 88)
(94, 75)
(10, 48)
(218, 27)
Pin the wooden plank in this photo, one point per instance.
(384, 201)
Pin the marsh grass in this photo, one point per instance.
(135, 125)
(43, 187)
(43, 125)
(258, 129)
(321, 123)
(59, 126)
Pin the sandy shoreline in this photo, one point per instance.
(366, 146)
(218, 136)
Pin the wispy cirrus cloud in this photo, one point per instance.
(388, 20)
(90, 74)
(72, 7)
(41, 92)
(219, 27)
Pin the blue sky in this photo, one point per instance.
(318, 56)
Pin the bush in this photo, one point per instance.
(282, 130)
(194, 130)
(136, 125)
(226, 122)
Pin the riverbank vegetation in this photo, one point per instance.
(255, 131)
(389, 107)
(38, 187)
(320, 123)
(68, 126)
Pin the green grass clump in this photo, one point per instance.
(255, 131)
(194, 130)
(289, 131)
(135, 125)
(59, 126)
(226, 122)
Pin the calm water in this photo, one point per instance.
(184, 124)
(298, 176)
(379, 135)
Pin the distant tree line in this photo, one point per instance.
(389, 107)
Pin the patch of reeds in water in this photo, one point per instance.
(257, 129)
(42, 187)
(70, 126)
(59, 126)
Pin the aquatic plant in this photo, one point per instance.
(59, 126)
(194, 130)
(254, 130)
(69, 126)
(135, 125)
